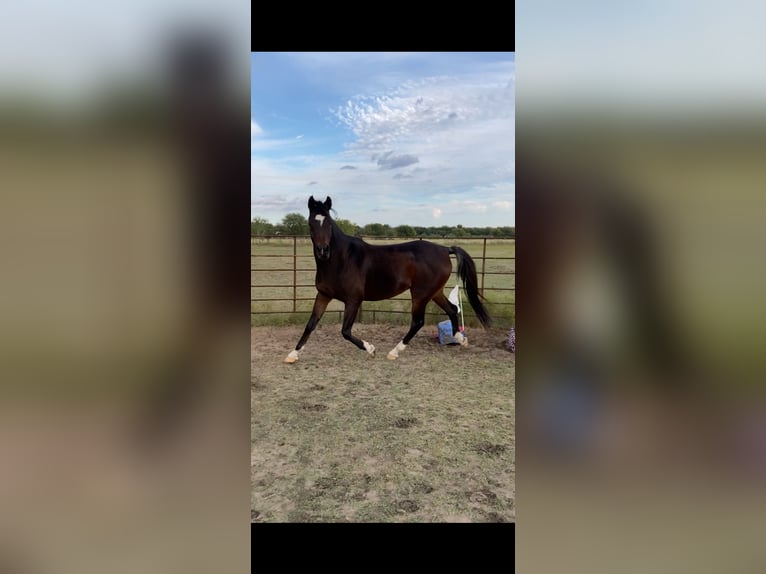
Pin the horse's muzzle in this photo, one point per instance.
(323, 252)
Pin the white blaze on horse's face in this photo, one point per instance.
(321, 238)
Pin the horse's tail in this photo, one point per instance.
(466, 270)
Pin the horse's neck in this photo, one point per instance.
(339, 239)
(338, 245)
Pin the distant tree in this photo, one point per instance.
(404, 231)
(375, 229)
(503, 232)
(479, 231)
(347, 227)
(261, 226)
(295, 224)
(383, 230)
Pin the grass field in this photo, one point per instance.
(271, 277)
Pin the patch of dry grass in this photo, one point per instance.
(340, 436)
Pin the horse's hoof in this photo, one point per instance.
(292, 356)
(392, 356)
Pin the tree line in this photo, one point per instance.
(297, 224)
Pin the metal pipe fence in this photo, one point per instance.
(302, 261)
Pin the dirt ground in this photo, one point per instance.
(343, 437)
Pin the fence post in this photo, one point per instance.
(295, 271)
(483, 265)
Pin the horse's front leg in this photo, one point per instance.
(349, 316)
(418, 320)
(320, 304)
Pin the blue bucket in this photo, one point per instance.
(445, 333)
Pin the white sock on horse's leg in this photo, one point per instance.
(369, 347)
(293, 355)
(394, 353)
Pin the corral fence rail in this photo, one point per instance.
(291, 256)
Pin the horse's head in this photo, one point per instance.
(320, 225)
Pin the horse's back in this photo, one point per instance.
(393, 269)
(417, 247)
(417, 254)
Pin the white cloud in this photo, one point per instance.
(463, 206)
(437, 213)
(460, 129)
(255, 129)
(503, 204)
(474, 206)
(428, 108)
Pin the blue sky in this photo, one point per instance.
(399, 138)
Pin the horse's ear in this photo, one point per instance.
(311, 202)
(328, 203)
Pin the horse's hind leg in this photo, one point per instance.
(320, 304)
(418, 320)
(441, 300)
(349, 316)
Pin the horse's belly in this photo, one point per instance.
(379, 292)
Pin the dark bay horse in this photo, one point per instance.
(352, 271)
